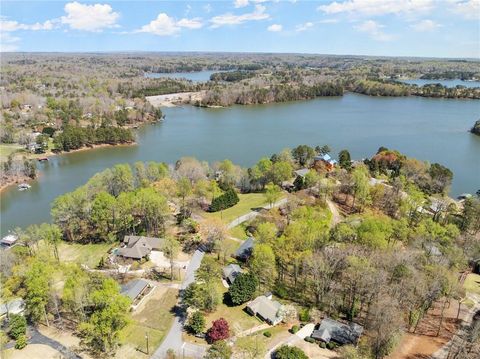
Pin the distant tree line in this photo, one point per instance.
(73, 138)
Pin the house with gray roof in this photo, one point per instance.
(231, 272)
(340, 333)
(136, 290)
(245, 250)
(15, 306)
(302, 172)
(265, 308)
(138, 247)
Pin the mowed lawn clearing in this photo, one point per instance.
(154, 319)
(88, 254)
(248, 202)
(6, 150)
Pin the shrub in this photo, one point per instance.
(294, 329)
(289, 352)
(243, 289)
(196, 323)
(331, 345)
(226, 200)
(21, 342)
(304, 315)
(18, 326)
(281, 291)
(323, 345)
(267, 334)
(309, 340)
(218, 331)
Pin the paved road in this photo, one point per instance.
(174, 339)
(38, 338)
(253, 214)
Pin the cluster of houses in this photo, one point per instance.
(271, 311)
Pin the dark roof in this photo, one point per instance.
(341, 333)
(231, 272)
(133, 288)
(245, 250)
(138, 247)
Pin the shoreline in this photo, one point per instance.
(10, 182)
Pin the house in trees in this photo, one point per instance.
(324, 162)
(331, 330)
(136, 290)
(231, 272)
(301, 172)
(265, 308)
(138, 247)
(15, 306)
(8, 241)
(245, 250)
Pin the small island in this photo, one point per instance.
(476, 128)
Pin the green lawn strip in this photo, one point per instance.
(472, 283)
(154, 320)
(248, 202)
(239, 232)
(89, 254)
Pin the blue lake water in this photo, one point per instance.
(434, 130)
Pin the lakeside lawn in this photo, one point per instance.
(88, 254)
(6, 150)
(153, 319)
(248, 202)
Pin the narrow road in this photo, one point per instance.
(253, 214)
(336, 216)
(173, 339)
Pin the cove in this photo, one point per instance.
(435, 130)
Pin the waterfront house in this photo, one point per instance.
(8, 241)
(138, 247)
(15, 306)
(324, 161)
(265, 308)
(331, 330)
(302, 172)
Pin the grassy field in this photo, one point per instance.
(6, 150)
(472, 283)
(89, 254)
(153, 320)
(247, 203)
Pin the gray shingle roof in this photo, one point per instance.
(265, 308)
(133, 288)
(138, 247)
(231, 272)
(245, 250)
(302, 172)
(338, 332)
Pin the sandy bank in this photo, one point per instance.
(172, 99)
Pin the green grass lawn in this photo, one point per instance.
(6, 150)
(472, 283)
(239, 231)
(247, 203)
(88, 254)
(153, 320)
(236, 317)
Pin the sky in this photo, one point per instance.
(424, 28)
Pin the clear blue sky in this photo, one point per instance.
(436, 28)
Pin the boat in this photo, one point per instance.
(23, 186)
(41, 159)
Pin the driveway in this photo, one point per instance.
(304, 332)
(173, 339)
(253, 214)
(38, 338)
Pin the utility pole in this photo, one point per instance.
(146, 338)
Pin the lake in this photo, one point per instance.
(446, 83)
(200, 76)
(430, 129)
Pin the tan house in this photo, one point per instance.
(138, 247)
